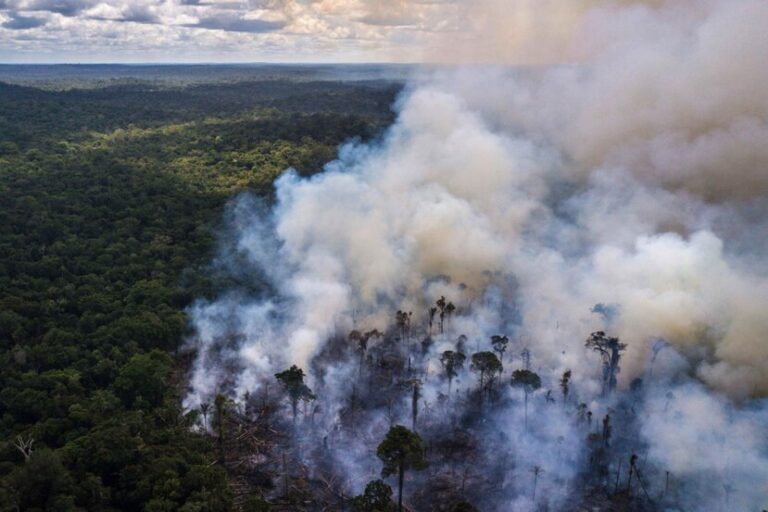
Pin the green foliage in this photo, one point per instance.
(487, 366)
(401, 449)
(43, 483)
(141, 382)
(256, 504)
(292, 380)
(529, 382)
(526, 380)
(110, 201)
(377, 497)
(463, 506)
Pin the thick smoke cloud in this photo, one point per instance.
(634, 176)
(675, 94)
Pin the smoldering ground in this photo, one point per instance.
(630, 171)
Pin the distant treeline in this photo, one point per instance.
(65, 76)
(30, 116)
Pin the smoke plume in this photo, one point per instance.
(629, 170)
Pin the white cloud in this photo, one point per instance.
(250, 30)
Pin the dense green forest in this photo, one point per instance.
(111, 199)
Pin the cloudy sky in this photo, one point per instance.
(225, 30)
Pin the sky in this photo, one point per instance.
(143, 31)
(86, 31)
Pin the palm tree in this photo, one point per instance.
(445, 308)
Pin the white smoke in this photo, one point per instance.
(632, 176)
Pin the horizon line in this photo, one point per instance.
(213, 63)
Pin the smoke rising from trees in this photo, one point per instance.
(635, 176)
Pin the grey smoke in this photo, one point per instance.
(632, 176)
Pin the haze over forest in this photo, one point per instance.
(374, 256)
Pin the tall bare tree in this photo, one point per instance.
(446, 309)
(400, 451)
(24, 446)
(205, 408)
(432, 312)
(610, 350)
(452, 363)
(528, 382)
(292, 380)
(403, 321)
(537, 471)
(362, 340)
(565, 381)
(488, 366)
